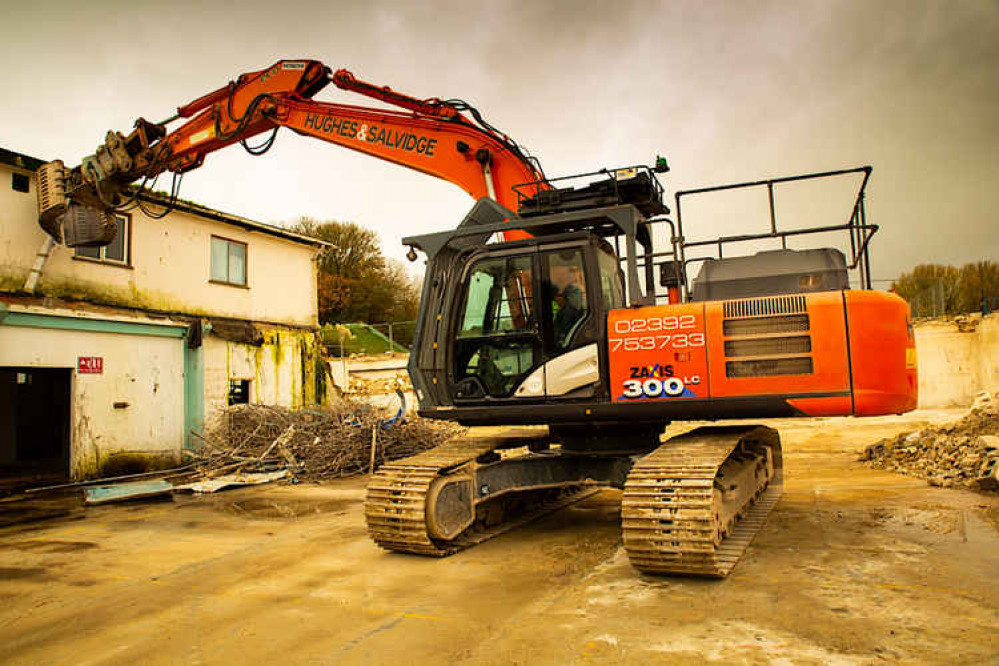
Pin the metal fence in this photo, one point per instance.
(362, 338)
(930, 302)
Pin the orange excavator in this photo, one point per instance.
(561, 325)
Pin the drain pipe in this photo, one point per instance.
(36, 270)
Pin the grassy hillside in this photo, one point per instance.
(364, 339)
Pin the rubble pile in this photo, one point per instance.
(961, 453)
(313, 443)
(381, 385)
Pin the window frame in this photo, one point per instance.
(245, 387)
(245, 284)
(126, 261)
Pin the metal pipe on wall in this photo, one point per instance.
(36, 269)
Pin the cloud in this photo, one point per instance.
(727, 90)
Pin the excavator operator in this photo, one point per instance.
(567, 304)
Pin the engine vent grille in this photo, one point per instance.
(763, 325)
(769, 367)
(765, 307)
(799, 344)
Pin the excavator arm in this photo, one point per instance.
(430, 135)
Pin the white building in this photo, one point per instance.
(111, 356)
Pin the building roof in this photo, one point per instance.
(19, 161)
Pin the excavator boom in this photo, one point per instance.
(431, 136)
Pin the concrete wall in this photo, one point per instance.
(170, 266)
(954, 364)
(144, 371)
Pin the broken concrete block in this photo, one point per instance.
(982, 400)
(875, 451)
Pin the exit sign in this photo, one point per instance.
(90, 365)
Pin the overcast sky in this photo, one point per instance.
(728, 91)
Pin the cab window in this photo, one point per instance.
(499, 297)
(611, 280)
(497, 344)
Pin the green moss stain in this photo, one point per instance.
(287, 370)
(276, 349)
(102, 294)
(308, 370)
(318, 365)
(121, 463)
(12, 283)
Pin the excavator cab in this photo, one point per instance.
(530, 319)
(519, 326)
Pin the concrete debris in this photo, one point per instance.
(232, 481)
(381, 385)
(967, 323)
(313, 444)
(964, 453)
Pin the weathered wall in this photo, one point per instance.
(956, 365)
(146, 372)
(170, 266)
(282, 371)
(169, 271)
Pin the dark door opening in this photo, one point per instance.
(34, 423)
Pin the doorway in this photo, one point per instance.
(34, 423)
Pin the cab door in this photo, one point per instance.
(579, 283)
(497, 340)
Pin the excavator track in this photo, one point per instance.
(683, 514)
(396, 511)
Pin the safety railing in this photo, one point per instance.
(857, 226)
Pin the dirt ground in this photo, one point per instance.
(855, 566)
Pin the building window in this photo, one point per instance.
(239, 391)
(118, 251)
(228, 261)
(20, 182)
